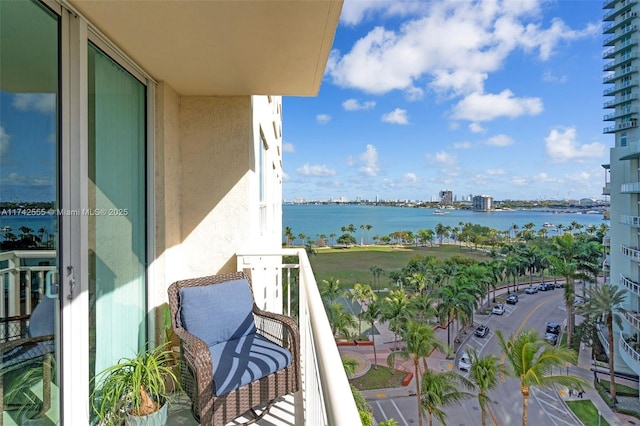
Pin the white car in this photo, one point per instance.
(464, 363)
(498, 309)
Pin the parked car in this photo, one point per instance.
(531, 289)
(559, 284)
(498, 309)
(578, 301)
(546, 286)
(553, 327)
(464, 363)
(551, 338)
(512, 299)
(481, 331)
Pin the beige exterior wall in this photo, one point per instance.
(207, 191)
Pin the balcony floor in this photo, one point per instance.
(281, 414)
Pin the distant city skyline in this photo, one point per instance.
(484, 97)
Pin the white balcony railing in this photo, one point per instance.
(632, 318)
(631, 252)
(630, 285)
(23, 274)
(630, 356)
(326, 397)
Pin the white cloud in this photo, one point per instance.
(5, 140)
(519, 181)
(499, 140)
(317, 170)
(550, 77)
(369, 160)
(411, 177)
(451, 46)
(462, 145)
(487, 106)
(41, 102)
(476, 128)
(446, 163)
(397, 116)
(288, 147)
(354, 105)
(285, 177)
(323, 118)
(543, 177)
(562, 146)
(355, 11)
(413, 94)
(495, 172)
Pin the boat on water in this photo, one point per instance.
(5, 229)
(439, 212)
(547, 225)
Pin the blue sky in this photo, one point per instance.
(502, 98)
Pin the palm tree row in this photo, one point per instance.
(472, 235)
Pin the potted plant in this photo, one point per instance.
(134, 390)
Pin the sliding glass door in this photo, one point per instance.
(29, 204)
(117, 211)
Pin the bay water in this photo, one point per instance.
(316, 219)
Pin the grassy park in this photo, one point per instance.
(351, 265)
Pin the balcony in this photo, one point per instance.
(609, 4)
(631, 252)
(23, 276)
(630, 285)
(620, 126)
(606, 190)
(630, 220)
(627, 57)
(630, 188)
(619, 87)
(619, 114)
(629, 353)
(611, 41)
(620, 8)
(632, 318)
(612, 27)
(611, 53)
(622, 99)
(326, 395)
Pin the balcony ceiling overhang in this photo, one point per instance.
(225, 48)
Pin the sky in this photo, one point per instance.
(486, 97)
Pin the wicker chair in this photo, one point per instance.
(225, 350)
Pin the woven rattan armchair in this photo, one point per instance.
(235, 357)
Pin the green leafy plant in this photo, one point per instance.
(135, 386)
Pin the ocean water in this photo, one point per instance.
(312, 220)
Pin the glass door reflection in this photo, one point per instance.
(29, 152)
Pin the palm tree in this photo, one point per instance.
(605, 301)
(532, 363)
(330, 290)
(438, 390)
(371, 315)
(362, 293)
(288, 233)
(341, 321)
(377, 272)
(484, 374)
(396, 310)
(420, 340)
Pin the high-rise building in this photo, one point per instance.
(622, 95)
(483, 203)
(446, 197)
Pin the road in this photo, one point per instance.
(531, 312)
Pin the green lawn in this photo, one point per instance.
(351, 265)
(382, 378)
(621, 390)
(587, 413)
